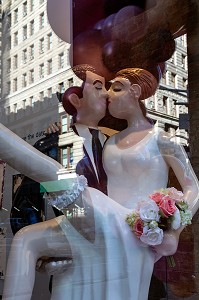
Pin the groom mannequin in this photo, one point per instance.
(87, 105)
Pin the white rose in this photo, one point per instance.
(149, 211)
(153, 237)
(176, 222)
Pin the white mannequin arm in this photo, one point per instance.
(25, 158)
(176, 157)
(30, 243)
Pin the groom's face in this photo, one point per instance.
(95, 94)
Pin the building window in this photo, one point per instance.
(183, 40)
(165, 104)
(50, 38)
(41, 46)
(15, 85)
(32, 4)
(15, 108)
(61, 60)
(32, 101)
(9, 87)
(16, 16)
(32, 75)
(184, 83)
(24, 104)
(8, 110)
(25, 32)
(65, 123)
(32, 52)
(41, 96)
(41, 71)
(172, 108)
(16, 38)
(49, 66)
(163, 80)
(172, 59)
(70, 82)
(9, 20)
(9, 65)
(25, 9)
(67, 156)
(15, 62)
(61, 88)
(9, 42)
(173, 79)
(24, 56)
(32, 27)
(49, 92)
(41, 21)
(24, 80)
(184, 61)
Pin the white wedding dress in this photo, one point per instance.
(117, 265)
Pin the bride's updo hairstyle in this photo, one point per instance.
(143, 78)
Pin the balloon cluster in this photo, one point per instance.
(129, 34)
(111, 35)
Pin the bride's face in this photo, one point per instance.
(122, 100)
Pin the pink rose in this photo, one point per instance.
(167, 206)
(138, 227)
(157, 197)
(175, 194)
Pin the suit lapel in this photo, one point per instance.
(84, 132)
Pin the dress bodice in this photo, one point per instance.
(135, 172)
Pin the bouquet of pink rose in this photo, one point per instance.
(165, 209)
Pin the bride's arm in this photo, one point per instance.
(25, 158)
(176, 158)
(30, 243)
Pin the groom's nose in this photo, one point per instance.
(104, 93)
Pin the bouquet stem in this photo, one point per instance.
(170, 261)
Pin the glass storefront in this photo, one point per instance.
(99, 190)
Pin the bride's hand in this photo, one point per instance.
(169, 244)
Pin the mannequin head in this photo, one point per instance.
(87, 104)
(127, 89)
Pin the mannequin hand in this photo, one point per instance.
(169, 244)
(54, 127)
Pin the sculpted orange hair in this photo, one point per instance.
(143, 78)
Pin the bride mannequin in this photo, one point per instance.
(114, 264)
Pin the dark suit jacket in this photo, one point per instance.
(85, 167)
